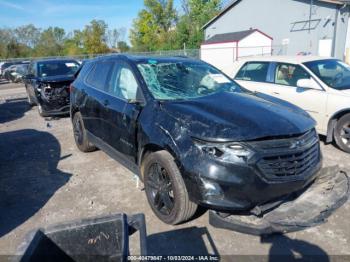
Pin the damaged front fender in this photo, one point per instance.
(311, 207)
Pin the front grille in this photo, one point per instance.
(297, 159)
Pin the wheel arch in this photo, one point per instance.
(332, 122)
(73, 111)
(151, 148)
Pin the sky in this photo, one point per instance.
(70, 15)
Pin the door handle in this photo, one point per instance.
(106, 102)
(276, 93)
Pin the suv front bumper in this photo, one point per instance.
(310, 207)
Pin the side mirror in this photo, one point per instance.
(308, 84)
(138, 102)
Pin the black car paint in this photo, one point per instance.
(55, 103)
(127, 130)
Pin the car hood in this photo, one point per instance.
(345, 91)
(56, 79)
(238, 117)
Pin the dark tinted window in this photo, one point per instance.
(99, 74)
(253, 71)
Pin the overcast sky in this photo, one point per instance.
(73, 14)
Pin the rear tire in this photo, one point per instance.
(342, 133)
(163, 183)
(80, 135)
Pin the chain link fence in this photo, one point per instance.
(192, 53)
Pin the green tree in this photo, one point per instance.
(74, 43)
(123, 46)
(6, 35)
(196, 14)
(154, 26)
(51, 42)
(28, 35)
(94, 37)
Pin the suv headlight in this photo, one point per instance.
(228, 152)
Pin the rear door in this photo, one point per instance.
(94, 98)
(121, 111)
(285, 87)
(254, 76)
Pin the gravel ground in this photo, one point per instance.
(45, 180)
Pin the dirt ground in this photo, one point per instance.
(45, 180)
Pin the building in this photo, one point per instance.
(317, 27)
(222, 50)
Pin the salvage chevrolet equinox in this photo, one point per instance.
(193, 135)
(47, 85)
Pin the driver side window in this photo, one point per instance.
(123, 83)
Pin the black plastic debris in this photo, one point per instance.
(328, 192)
(97, 239)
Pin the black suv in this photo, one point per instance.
(193, 135)
(47, 85)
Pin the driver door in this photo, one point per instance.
(120, 111)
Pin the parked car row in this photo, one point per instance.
(13, 71)
(195, 137)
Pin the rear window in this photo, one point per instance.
(57, 68)
(253, 71)
(97, 77)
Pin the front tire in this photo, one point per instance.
(80, 135)
(42, 112)
(342, 133)
(165, 189)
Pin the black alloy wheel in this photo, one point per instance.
(160, 189)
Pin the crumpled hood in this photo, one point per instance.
(238, 116)
(56, 79)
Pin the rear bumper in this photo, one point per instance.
(309, 208)
(57, 110)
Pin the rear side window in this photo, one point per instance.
(253, 71)
(98, 76)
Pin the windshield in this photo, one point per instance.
(334, 73)
(183, 80)
(57, 68)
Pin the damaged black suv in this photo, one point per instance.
(47, 85)
(193, 135)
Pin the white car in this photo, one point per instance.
(320, 86)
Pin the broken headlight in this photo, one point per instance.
(228, 152)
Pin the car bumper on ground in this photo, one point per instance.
(310, 207)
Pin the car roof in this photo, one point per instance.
(140, 59)
(285, 59)
(55, 60)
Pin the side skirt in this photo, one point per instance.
(113, 153)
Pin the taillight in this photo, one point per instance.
(71, 87)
